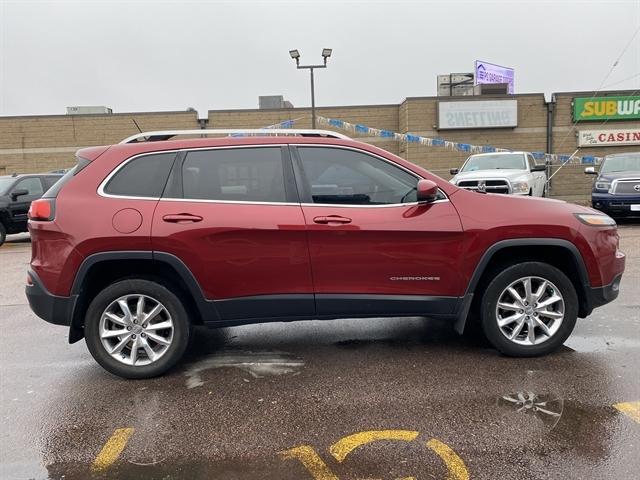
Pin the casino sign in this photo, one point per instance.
(609, 137)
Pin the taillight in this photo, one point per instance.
(42, 209)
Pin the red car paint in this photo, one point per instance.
(239, 250)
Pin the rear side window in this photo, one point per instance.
(144, 176)
(50, 181)
(240, 174)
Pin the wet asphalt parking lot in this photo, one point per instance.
(344, 399)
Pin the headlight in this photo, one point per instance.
(520, 187)
(453, 180)
(595, 219)
(603, 185)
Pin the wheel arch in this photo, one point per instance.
(557, 252)
(102, 269)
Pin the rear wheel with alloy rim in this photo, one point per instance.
(137, 329)
(529, 309)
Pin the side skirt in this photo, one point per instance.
(285, 308)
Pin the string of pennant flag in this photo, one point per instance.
(439, 142)
(429, 141)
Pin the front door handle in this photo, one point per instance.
(182, 218)
(332, 220)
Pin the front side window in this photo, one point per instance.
(341, 176)
(5, 184)
(32, 185)
(234, 174)
(144, 176)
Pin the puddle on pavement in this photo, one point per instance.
(256, 364)
(601, 343)
(546, 408)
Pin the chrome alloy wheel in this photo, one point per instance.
(136, 330)
(530, 311)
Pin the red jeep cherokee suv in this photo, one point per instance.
(144, 239)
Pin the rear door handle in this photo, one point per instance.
(332, 220)
(182, 218)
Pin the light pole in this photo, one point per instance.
(326, 53)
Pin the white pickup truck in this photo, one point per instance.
(502, 172)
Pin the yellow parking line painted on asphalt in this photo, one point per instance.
(455, 465)
(631, 409)
(311, 461)
(112, 449)
(346, 445)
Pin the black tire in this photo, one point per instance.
(3, 233)
(492, 295)
(172, 303)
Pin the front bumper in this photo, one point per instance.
(596, 297)
(47, 306)
(615, 205)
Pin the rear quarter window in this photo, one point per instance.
(144, 176)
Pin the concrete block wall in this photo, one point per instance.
(420, 116)
(378, 116)
(43, 143)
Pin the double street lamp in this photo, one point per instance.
(326, 53)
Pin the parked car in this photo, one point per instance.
(502, 172)
(143, 240)
(16, 194)
(616, 190)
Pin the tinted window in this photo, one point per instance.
(50, 181)
(142, 177)
(341, 176)
(31, 184)
(242, 174)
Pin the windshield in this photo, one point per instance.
(622, 163)
(489, 162)
(5, 183)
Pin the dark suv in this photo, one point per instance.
(616, 190)
(144, 239)
(16, 194)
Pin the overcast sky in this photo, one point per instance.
(170, 55)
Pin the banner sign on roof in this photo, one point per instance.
(490, 73)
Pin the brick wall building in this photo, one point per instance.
(43, 143)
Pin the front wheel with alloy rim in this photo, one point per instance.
(137, 329)
(529, 309)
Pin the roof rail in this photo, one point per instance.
(249, 132)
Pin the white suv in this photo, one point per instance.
(502, 172)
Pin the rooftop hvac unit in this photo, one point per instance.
(89, 111)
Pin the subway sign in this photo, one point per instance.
(606, 108)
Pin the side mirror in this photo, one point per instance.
(454, 171)
(18, 193)
(426, 191)
(538, 168)
(590, 171)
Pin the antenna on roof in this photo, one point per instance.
(136, 124)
